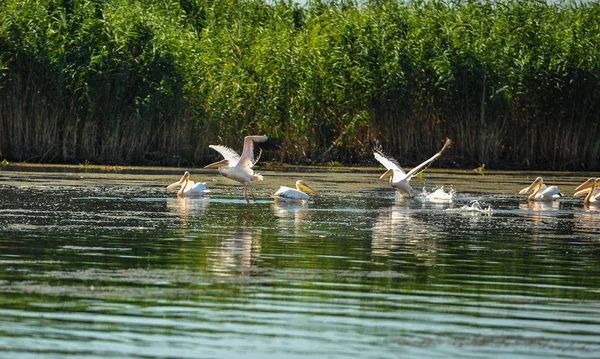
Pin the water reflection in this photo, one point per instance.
(291, 215)
(237, 252)
(88, 271)
(184, 207)
(399, 231)
(587, 222)
(538, 211)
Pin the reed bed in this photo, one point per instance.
(516, 84)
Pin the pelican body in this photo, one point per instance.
(541, 192)
(590, 190)
(400, 179)
(188, 188)
(294, 194)
(236, 167)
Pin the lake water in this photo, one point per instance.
(100, 264)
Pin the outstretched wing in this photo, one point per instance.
(230, 155)
(390, 163)
(247, 158)
(415, 171)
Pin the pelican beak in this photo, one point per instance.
(582, 193)
(587, 184)
(387, 174)
(218, 164)
(537, 183)
(180, 182)
(307, 188)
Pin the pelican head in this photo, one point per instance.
(302, 186)
(589, 190)
(591, 182)
(184, 179)
(221, 163)
(533, 186)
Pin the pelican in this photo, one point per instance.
(400, 180)
(290, 194)
(236, 167)
(541, 192)
(188, 188)
(590, 190)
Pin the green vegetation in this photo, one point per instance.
(516, 84)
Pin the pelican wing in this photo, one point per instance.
(415, 171)
(196, 187)
(551, 191)
(247, 158)
(389, 163)
(230, 155)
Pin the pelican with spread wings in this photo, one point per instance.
(400, 179)
(590, 190)
(541, 192)
(239, 168)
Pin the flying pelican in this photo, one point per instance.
(541, 192)
(400, 180)
(290, 194)
(188, 188)
(236, 167)
(590, 190)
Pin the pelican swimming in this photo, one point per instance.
(188, 188)
(236, 167)
(400, 180)
(541, 192)
(294, 194)
(590, 190)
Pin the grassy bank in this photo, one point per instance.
(516, 84)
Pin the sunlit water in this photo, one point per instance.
(112, 265)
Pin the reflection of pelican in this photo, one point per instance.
(188, 188)
(400, 180)
(290, 194)
(183, 207)
(397, 232)
(236, 253)
(541, 192)
(295, 213)
(236, 167)
(540, 206)
(590, 190)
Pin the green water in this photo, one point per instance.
(112, 265)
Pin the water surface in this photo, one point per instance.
(110, 264)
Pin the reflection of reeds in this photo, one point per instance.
(514, 84)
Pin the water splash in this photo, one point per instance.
(474, 207)
(438, 195)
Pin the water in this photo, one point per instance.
(105, 264)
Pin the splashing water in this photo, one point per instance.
(438, 195)
(474, 207)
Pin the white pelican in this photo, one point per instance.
(590, 190)
(294, 194)
(188, 188)
(236, 167)
(400, 180)
(541, 192)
